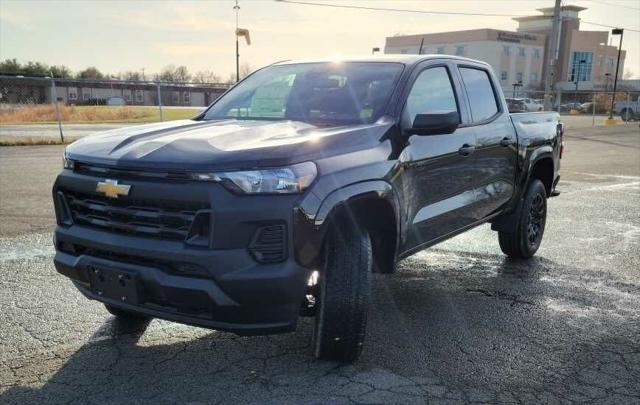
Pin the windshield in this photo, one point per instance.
(317, 93)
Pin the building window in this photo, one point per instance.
(139, 96)
(440, 50)
(73, 94)
(186, 97)
(460, 50)
(580, 67)
(505, 50)
(175, 97)
(519, 77)
(521, 51)
(533, 77)
(504, 76)
(86, 94)
(126, 93)
(536, 53)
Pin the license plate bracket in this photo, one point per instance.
(115, 284)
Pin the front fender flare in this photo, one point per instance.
(309, 231)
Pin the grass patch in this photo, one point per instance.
(34, 141)
(45, 114)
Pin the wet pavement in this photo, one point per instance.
(456, 323)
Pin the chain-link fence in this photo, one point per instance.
(42, 100)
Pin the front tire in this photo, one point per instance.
(341, 316)
(525, 240)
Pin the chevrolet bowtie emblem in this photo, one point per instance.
(112, 189)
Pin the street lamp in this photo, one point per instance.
(616, 31)
(515, 86)
(607, 77)
(577, 81)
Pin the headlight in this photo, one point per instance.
(284, 180)
(66, 162)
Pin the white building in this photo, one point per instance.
(515, 57)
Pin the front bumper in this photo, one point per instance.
(220, 285)
(239, 295)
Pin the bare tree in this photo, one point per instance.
(131, 75)
(173, 74)
(182, 74)
(207, 76)
(245, 70)
(91, 73)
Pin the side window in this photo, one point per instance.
(431, 92)
(480, 92)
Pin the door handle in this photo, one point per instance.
(506, 141)
(466, 149)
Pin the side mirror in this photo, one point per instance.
(437, 123)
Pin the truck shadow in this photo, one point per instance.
(471, 320)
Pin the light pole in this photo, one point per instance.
(237, 8)
(607, 77)
(616, 31)
(515, 87)
(575, 96)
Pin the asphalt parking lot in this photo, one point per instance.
(457, 323)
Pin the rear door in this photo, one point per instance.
(496, 142)
(437, 180)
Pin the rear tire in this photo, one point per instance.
(525, 240)
(344, 294)
(125, 315)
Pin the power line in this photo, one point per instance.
(397, 10)
(613, 4)
(402, 10)
(608, 26)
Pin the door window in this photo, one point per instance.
(431, 92)
(480, 93)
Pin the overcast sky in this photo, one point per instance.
(129, 35)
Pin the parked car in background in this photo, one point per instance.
(566, 107)
(628, 111)
(116, 101)
(532, 105)
(516, 105)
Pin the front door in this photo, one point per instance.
(438, 180)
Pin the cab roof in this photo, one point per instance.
(405, 59)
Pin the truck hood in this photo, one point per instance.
(190, 144)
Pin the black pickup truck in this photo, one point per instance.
(283, 196)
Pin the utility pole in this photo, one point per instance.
(616, 31)
(552, 56)
(577, 77)
(237, 8)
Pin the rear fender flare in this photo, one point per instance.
(508, 221)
